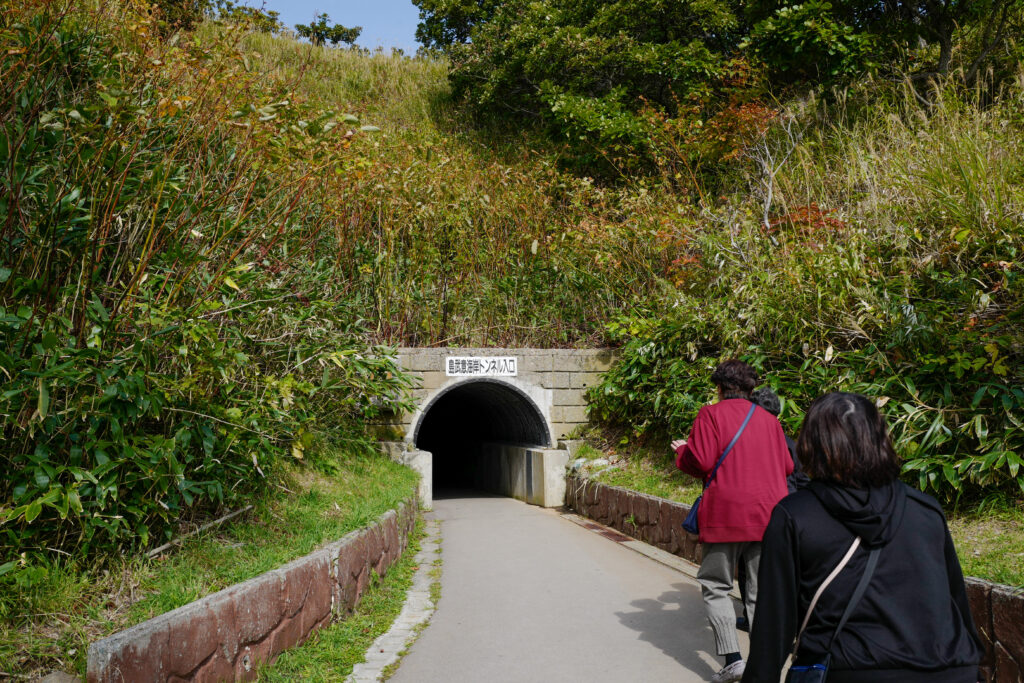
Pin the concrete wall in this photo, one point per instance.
(999, 615)
(533, 475)
(648, 518)
(420, 462)
(223, 636)
(998, 610)
(553, 379)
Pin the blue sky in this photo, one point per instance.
(388, 23)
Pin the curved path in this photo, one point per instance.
(527, 595)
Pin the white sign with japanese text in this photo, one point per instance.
(480, 366)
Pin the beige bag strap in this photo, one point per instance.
(821, 589)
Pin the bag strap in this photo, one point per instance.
(858, 593)
(732, 443)
(821, 589)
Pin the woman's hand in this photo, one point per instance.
(677, 444)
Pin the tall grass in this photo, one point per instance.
(459, 235)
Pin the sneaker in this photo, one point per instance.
(731, 673)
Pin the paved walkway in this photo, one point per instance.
(527, 595)
(386, 650)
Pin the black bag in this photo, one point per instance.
(690, 523)
(818, 672)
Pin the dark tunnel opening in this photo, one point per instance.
(458, 425)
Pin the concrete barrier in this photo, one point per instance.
(998, 610)
(533, 475)
(223, 636)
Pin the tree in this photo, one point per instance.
(180, 15)
(321, 31)
(444, 23)
(586, 68)
(806, 43)
(262, 20)
(973, 29)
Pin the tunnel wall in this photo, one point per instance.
(532, 475)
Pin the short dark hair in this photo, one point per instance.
(845, 439)
(735, 378)
(767, 399)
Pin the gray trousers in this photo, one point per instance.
(717, 571)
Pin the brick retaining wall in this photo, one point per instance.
(223, 636)
(998, 610)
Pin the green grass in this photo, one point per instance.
(331, 653)
(654, 474)
(990, 542)
(49, 624)
(637, 467)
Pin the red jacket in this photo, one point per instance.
(752, 479)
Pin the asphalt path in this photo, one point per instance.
(527, 595)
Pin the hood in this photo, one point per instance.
(874, 514)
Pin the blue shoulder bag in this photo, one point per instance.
(690, 524)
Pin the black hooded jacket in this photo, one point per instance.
(913, 623)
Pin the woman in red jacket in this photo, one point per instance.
(737, 502)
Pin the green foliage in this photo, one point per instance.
(911, 296)
(260, 19)
(919, 36)
(167, 333)
(180, 15)
(444, 23)
(805, 43)
(593, 73)
(320, 31)
(585, 69)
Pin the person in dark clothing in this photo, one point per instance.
(769, 400)
(913, 622)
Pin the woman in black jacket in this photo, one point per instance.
(913, 622)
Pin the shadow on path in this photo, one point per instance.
(671, 624)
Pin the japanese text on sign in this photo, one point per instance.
(480, 366)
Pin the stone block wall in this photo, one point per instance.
(554, 379)
(648, 518)
(223, 636)
(998, 610)
(999, 615)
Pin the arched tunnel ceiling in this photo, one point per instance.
(481, 411)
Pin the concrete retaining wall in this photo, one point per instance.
(998, 610)
(533, 475)
(999, 615)
(648, 518)
(222, 637)
(421, 462)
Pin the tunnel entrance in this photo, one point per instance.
(462, 426)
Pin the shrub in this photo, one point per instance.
(901, 284)
(168, 329)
